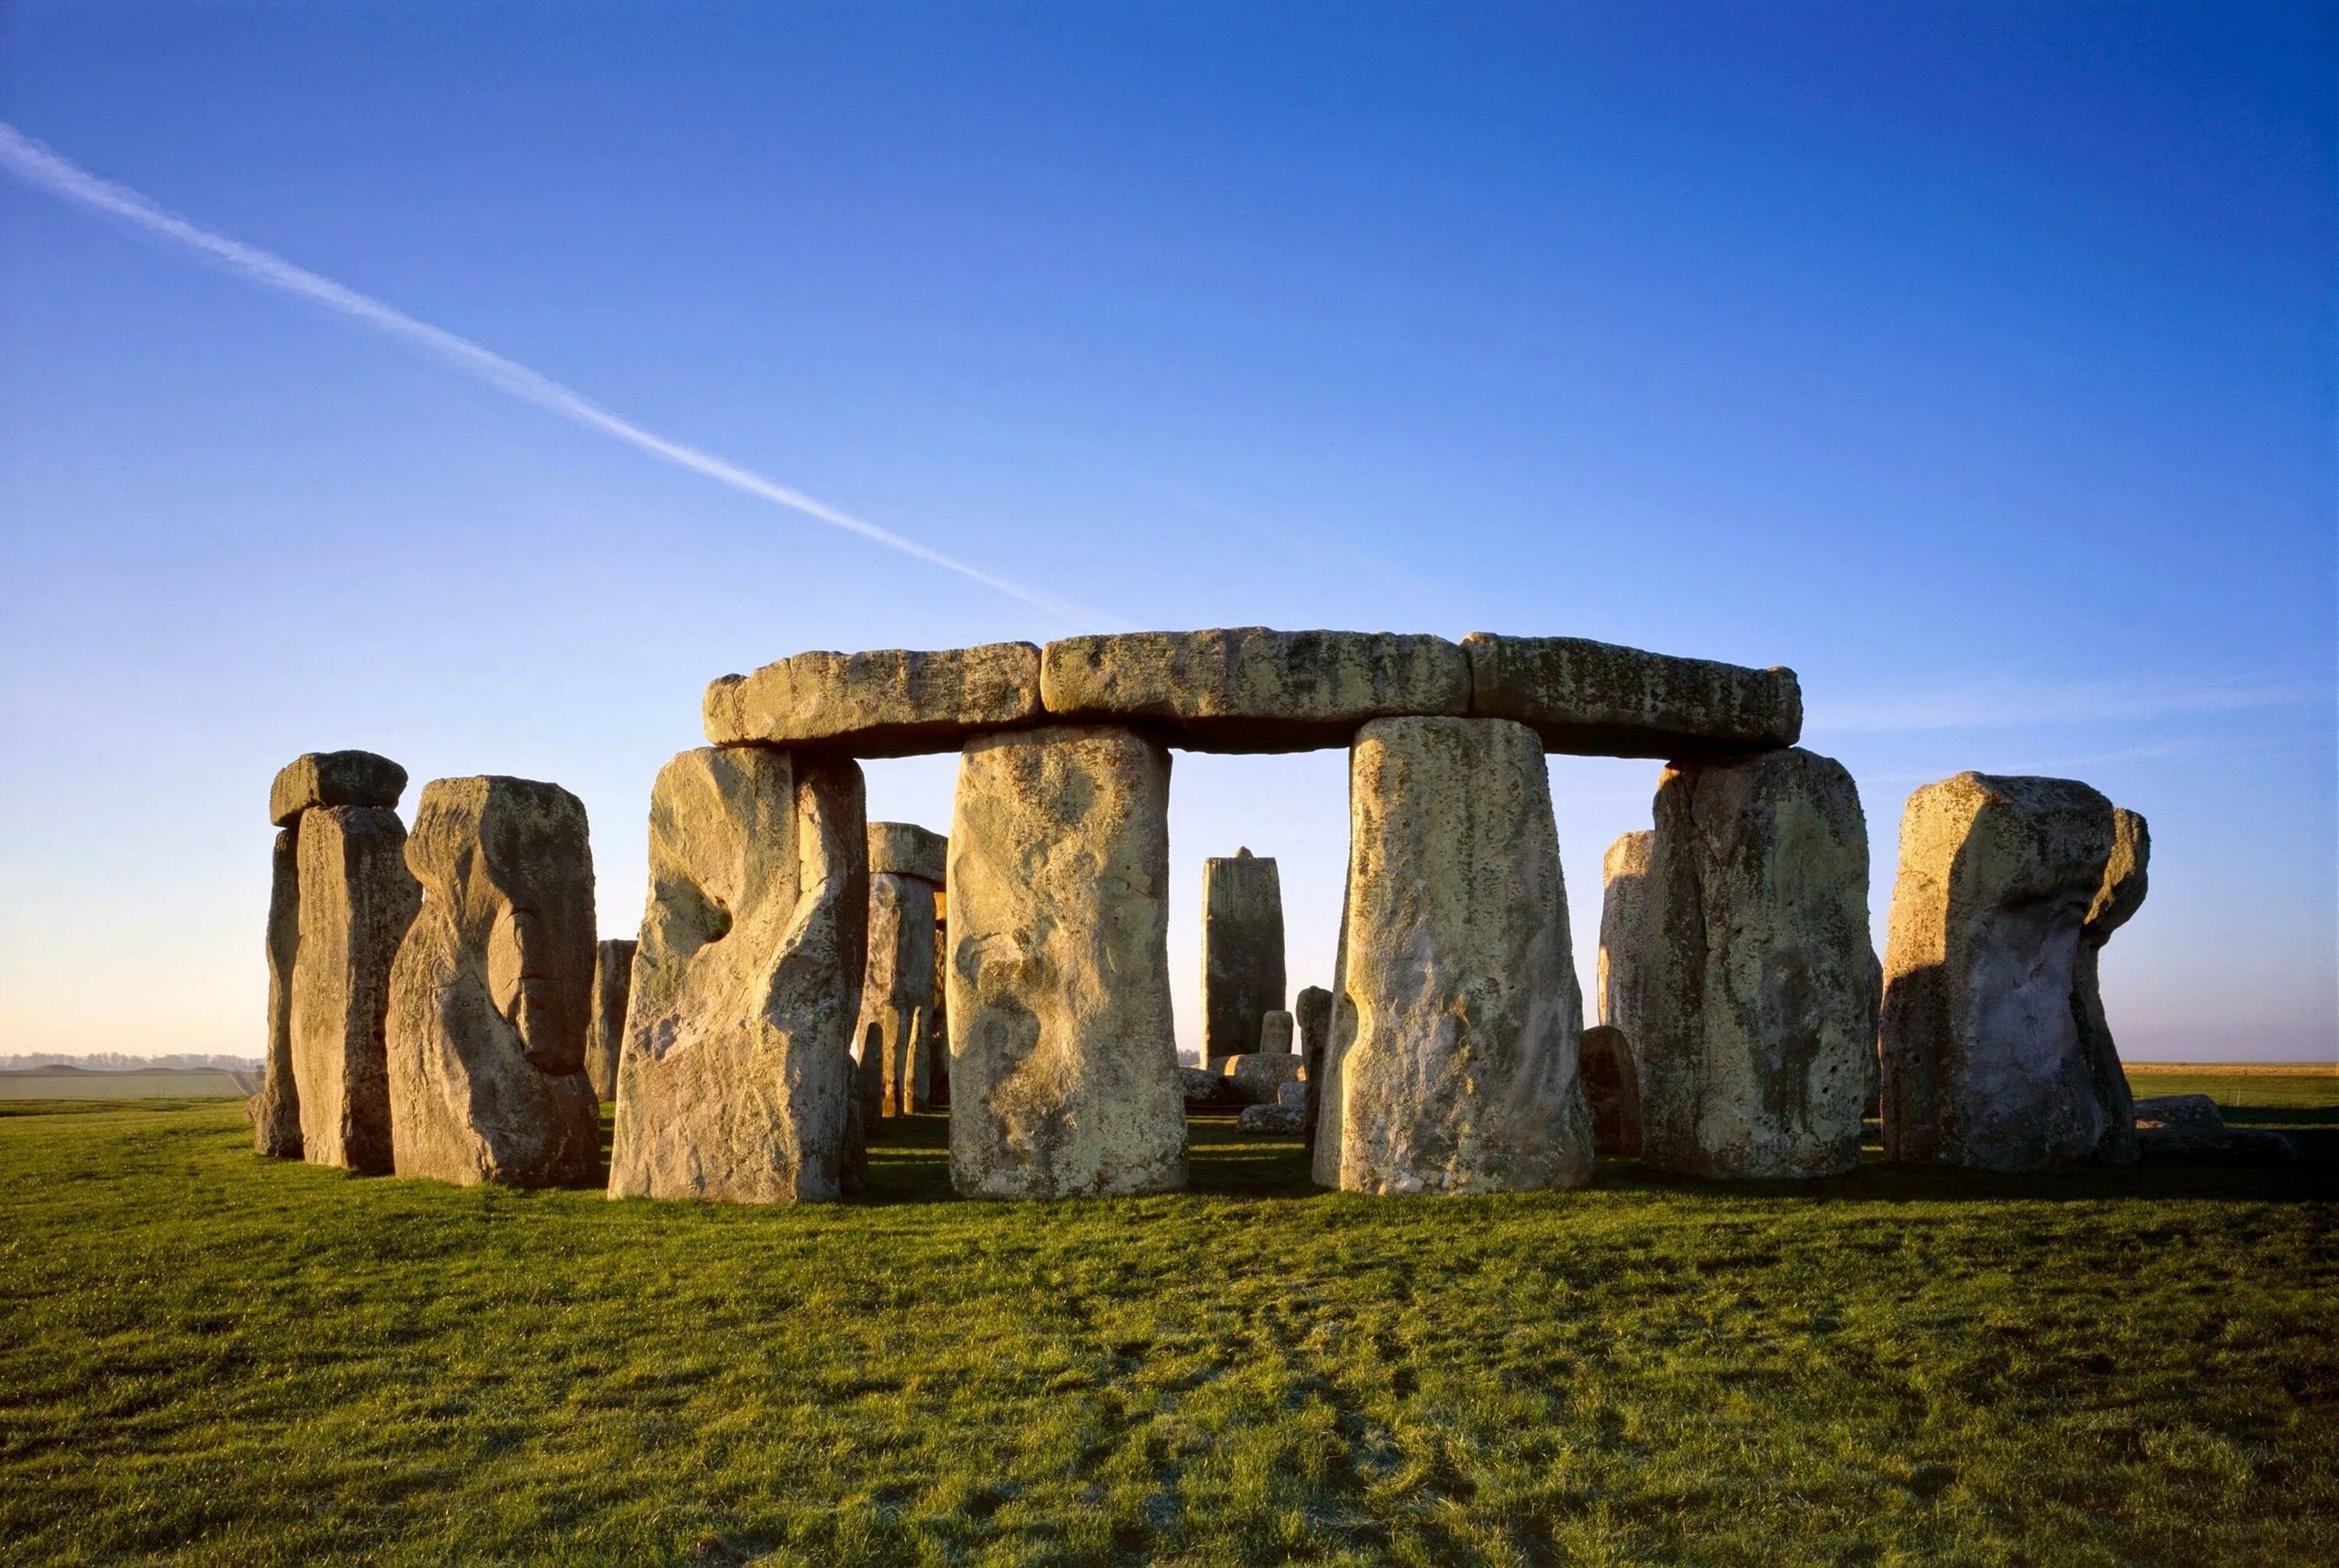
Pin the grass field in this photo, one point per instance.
(208, 1357)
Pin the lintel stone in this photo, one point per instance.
(333, 778)
(893, 702)
(1597, 699)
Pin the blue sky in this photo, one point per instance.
(1975, 361)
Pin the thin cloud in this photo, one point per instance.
(37, 165)
(2014, 706)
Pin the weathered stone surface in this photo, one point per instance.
(1293, 1094)
(1628, 936)
(333, 778)
(605, 1031)
(1255, 1078)
(493, 988)
(1612, 1086)
(1242, 951)
(1757, 1049)
(897, 996)
(1983, 1061)
(1275, 1034)
(1600, 699)
(1201, 1088)
(356, 902)
(1283, 1119)
(1313, 1010)
(737, 1079)
(894, 702)
(2191, 1124)
(1457, 1015)
(905, 849)
(2121, 895)
(1250, 689)
(1064, 1075)
(275, 1110)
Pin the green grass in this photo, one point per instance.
(208, 1357)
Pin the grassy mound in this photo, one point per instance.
(209, 1358)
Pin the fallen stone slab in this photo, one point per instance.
(1598, 699)
(1453, 1065)
(356, 902)
(894, 702)
(1064, 1073)
(1250, 689)
(333, 778)
(1278, 1118)
(1203, 1088)
(1242, 951)
(905, 849)
(1293, 1094)
(737, 1084)
(605, 1032)
(1255, 1078)
(1758, 1048)
(493, 986)
(1984, 1065)
(275, 1110)
(2179, 1125)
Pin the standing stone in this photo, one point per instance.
(2121, 895)
(938, 1089)
(357, 901)
(1064, 1076)
(1627, 936)
(1757, 1049)
(1313, 1010)
(1984, 1063)
(895, 995)
(738, 1078)
(493, 989)
(1275, 1035)
(276, 1109)
(1456, 1024)
(1612, 1085)
(1243, 952)
(604, 1035)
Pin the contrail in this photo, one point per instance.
(36, 165)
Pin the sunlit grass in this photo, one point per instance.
(209, 1358)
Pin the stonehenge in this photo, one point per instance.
(736, 1078)
(1064, 1077)
(1986, 1062)
(1454, 1051)
(605, 1032)
(1755, 1002)
(491, 988)
(439, 1006)
(1243, 952)
(906, 868)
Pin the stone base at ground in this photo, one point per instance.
(1285, 1120)
(2176, 1125)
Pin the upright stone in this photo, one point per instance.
(493, 988)
(276, 1109)
(1275, 1027)
(1628, 936)
(1243, 952)
(1064, 1077)
(357, 901)
(1313, 1012)
(1757, 1052)
(1984, 1062)
(2121, 895)
(736, 1081)
(604, 1035)
(896, 996)
(1612, 1084)
(1456, 1024)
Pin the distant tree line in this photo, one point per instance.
(116, 1061)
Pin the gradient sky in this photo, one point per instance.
(1975, 361)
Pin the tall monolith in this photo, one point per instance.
(1063, 1060)
(1984, 1060)
(1627, 937)
(276, 1109)
(1242, 951)
(492, 989)
(736, 1080)
(1758, 1013)
(357, 900)
(1458, 1016)
(906, 868)
(2121, 895)
(604, 1033)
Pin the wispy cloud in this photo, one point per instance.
(37, 165)
(2014, 706)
